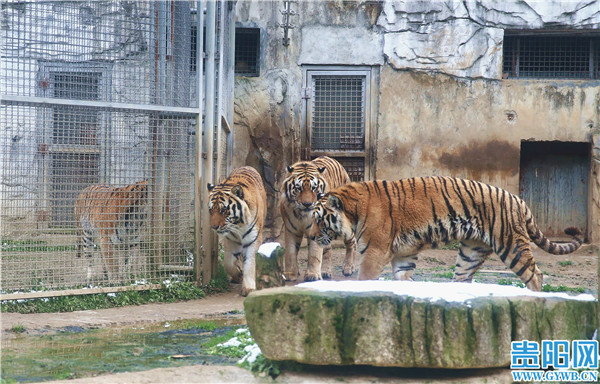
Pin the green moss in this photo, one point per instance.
(276, 305)
(294, 308)
(338, 323)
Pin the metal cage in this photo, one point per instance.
(101, 102)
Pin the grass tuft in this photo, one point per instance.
(17, 328)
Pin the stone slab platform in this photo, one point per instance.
(411, 324)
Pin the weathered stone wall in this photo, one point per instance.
(443, 107)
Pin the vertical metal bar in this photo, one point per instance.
(518, 57)
(220, 97)
(199, 191)
(231, 77)
(208, 242)
(592, 54)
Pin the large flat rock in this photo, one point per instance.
(411, 324)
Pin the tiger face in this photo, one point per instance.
(329, 221)
(226, 207)
(304, 187)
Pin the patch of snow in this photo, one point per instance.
(252, 352)
(233, 342)
(268, 248)
(455, 292)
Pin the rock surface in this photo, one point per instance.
(329, 326)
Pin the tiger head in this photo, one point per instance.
(304, 185)
(329, 221)
(226, 206)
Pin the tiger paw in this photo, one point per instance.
(348, 270)
(312, 276)
(326, 275)
(291, 276)
(246, 291)
(237, 279)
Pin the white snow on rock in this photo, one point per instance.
(455, 292)
(233, 342)
(268, 248)
(252, 352)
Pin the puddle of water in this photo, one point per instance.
(83, 353)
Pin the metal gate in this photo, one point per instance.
(554, 182)
(338, 117)
(101, 101)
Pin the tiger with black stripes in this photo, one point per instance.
(393, 220)
(237, 208)
(307, 180)
(114, 216)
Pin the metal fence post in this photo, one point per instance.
(208, 239)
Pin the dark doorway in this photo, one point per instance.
(554, 183)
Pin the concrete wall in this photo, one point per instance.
(443, 107)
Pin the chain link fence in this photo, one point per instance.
(100, 107)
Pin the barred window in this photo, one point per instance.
(551, 57)
(247, 51)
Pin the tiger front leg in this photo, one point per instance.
(233, 260)
(315, 258)
(292, 246)
(349, 267)
(249, 281)
(372, 263)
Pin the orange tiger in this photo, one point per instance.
(237, 210)
(393, 220)
(113, 215)
(308, 180)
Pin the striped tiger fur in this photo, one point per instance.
(114, 216)
(307, 180)
(393, 220)
(237, 208)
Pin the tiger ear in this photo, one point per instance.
(321, 170)
(290, 169)
(238, 191)
(210, 186)
(335, 202)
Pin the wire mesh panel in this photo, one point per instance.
(551, 57)
(247, 51)
(116, 210)
(338, 114)
(97, 147)
(147, 44)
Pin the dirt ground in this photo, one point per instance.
(575, 270)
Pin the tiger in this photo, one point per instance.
(114, 216)
(237, 209)
(307, 180)
(393, 220)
